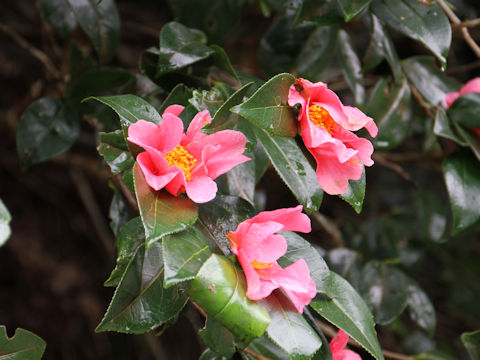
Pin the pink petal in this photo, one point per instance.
(201, 190)
(346, 355)
(333, 175)
(256, 287)
(451, 97)
(174, 110)
(154, 178)
(357, 120)
(296, 282)
(339, 342)
(473, 86)
(144, 133)
(261, 245)
(171, 132)
(292, 219)
(193, 132)
(363, 147)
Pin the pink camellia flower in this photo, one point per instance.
(337, 347)
(473, 86)
(188, 162)
(326, 128)
(258, 248)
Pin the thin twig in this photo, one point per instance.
(469, 23)
(36, 53)
(463, 68)
(330, 228)
(457, 23)
(117, 179)
(381, 160)
(255, 355)
(416, 94)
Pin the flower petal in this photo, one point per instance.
(144, 133)
(201, 190)
(173, 109)
(154, 178)
(256, 287)
(292, 219)
(262, 245)
(193, 132)
(473, 86)
(171, 132)
(357, 120)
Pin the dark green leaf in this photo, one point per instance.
(316, 13)
(442, 127)
(299, 248)
(462, 177)
(120, 211)
(48, 129)
(4, 223)
(210, 100)
(183, 255)
(79, 63)
(289, 329)
(352, 8)
(465, 111)
(180, 46)
(162, 213)
(266, 347)
(24, 345)
(293, 167)
(381, 46)
(220, 289)
(96, 82)
(356, 192)
(218, 338)
(471, 340)
(433, 355)
(346, 263)
(351, 66)
(209, 354)
(179, 96)
(130, 237)
(268, 109)
(426, 23)
(222, 215)
(141, 303)
(472, 139)
(347, 310)
(420, 308)
(241, 180)
(431, 82)
(390, 107)
(220, 59)
(113, 148)
(317, 52)
(101, 23)
(130, 109)
(385, 291)
(59, 15)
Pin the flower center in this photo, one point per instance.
(261, 266)
(320, 117)
(182, 158)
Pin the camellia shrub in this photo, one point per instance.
(241, 197)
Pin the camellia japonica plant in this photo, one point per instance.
(240, 192)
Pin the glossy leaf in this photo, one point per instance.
(289, 329)
(346, 263)
(141, 303)
(218, 338)
(264, 346)
(299, 248)
(390, 107)
(241, 180)
(317, 52)
(420, 308)
(462, 177)
(180, 46)
(442, 128)
(210, 100)
(268, 109)
(293, 167)
(129, 239)
(472, 139)
(351, 66)
(430, 81)
(120, 211)
(220, 289)
(346, 309)
(59, 15)
(465, 111)
(315, 13)
(426, 23)
(471, 340)
(222, 215)
(113, 148)
(352, 8)
(130, 109)
(101, 22)
(24, 345)
(162, 213)
(178, 95)
(381, 46)
(385, 291)
(5, 219)
(356, 192)
(221, 60)
(209, 354)
(183, 255)
(47, 129)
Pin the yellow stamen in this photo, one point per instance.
(181, 157)
(320, 117)
(261, 266)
